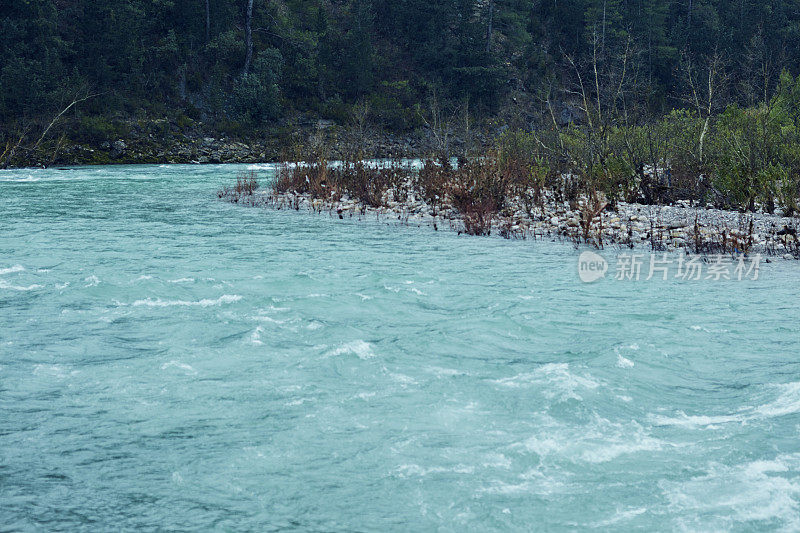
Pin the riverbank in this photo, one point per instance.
(164, 142)
(682, 226)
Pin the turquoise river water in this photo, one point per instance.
(169, 361)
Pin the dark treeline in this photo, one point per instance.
(639, 99)
(256, 62)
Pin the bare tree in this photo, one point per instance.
(12, 148)
(466, 130)
(603, 85)
(759, 66)
(434, 118)
(705, 89)
(362, 129)
(58, 117)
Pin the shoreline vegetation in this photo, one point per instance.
(517, 189)
(102, 142)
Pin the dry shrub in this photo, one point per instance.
(591, 208)
(369, 184)
(246, 185)
(304, 178)
(479, 191)
(433, 181)
(360, 180)
(477, 217)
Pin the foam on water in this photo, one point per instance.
(787, 402)
(10, 286)
(359, 348)
(187, 369)
(21, 179)
(255, 337)
(205, 302)
(623, 362)
(559, 380)
(11, 270)
(746, 493)
(600, 441)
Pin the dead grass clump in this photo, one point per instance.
(369, 183)
(433, 181)
(590, 209)
(246, 185)
(478, 192)
(312, 178)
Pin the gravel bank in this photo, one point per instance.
(678, 227)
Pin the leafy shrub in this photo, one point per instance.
(337, 110)
(256, 97)
(390, 113)
(97, 129)
(745, 155)
(227, 50)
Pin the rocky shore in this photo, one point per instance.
(161, 142)
(673, 228)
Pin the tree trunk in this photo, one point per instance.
(703, 135)
(248, 36)
(489, 27)
(208, 21)
(603, 45)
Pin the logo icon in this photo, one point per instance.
(591, 267)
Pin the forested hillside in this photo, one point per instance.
(251, 63)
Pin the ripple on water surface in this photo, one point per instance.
(173, 362)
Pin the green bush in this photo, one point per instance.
(227, 50)
(97, 129)
(745, 146)
(682, 130)
(256, 97)
(390, 113)
(337, 110)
